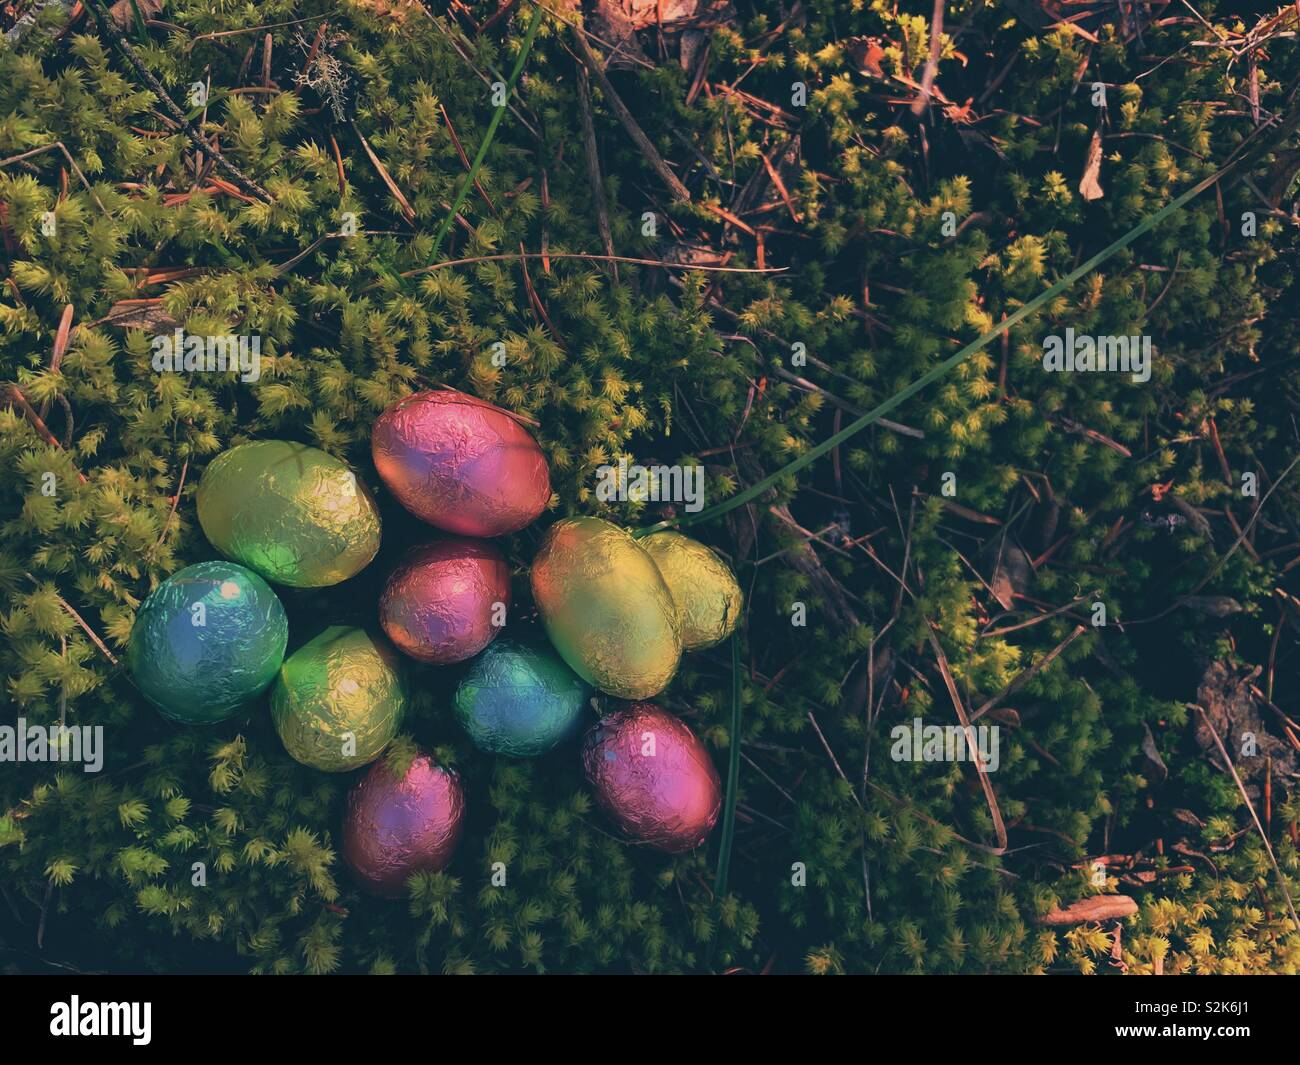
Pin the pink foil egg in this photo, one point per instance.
(398, 826)
(446, 600)
(460, 464)
(653, 777)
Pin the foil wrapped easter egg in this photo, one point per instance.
(208, 640)
(518, 698)
(446, 600)
(606, 608)
(460, 464)
(292, 513)
(339, 699)
(653, 777)
(703, 587)
(397, 826)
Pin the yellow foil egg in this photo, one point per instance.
(703, 587)
(339, 699)
(292, 513)
(606, 608)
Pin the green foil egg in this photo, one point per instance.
(207, 641)
(339, 699)
(703, 587)
(293, 513)
(518, 698)
(606, 608)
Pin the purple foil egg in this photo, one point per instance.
(446, 600)
(398, 826)
(460, 464)
(653, 777)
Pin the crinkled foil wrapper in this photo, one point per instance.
(518, 698)
(460, 464)
(705, 590)
(439, 602)
(667, 795)
(293, 513)
(395, 828)
(606, 608)
(344, 683)
(198, 674)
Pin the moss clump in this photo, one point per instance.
(894, 240)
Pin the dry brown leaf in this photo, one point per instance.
(865, 54)
(124, 15)
(1007, 715)
(670, 14)
(1090, 183)
(1233, 712)
(1012, 573)
(1152, 753)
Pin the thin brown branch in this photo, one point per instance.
(1030, 673)
(652, 156)
(687, 267)
(593, 167)
(999, 827)
(109, 30)
(71, 162)
(922, 100)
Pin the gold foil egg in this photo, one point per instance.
(289, 512)
(703, 587)
(606, 608)
(339, 699)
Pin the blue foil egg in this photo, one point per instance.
(518, 698)
(208, 640)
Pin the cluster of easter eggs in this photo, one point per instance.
(617, 614)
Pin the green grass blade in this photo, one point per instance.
(733, 777)
(756, 490)
(215, 97)
(470, 178)
(141, 30)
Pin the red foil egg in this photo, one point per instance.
(653, 777)
(398, 826)
(446, 600)
(460, 464)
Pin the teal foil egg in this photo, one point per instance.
(518, 698)
(208, 640)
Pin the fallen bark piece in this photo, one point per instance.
(1086, 911)
(1233, 712)
(123, 13)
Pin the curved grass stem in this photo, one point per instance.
(468, 181)
(939, 370)
(733, 776)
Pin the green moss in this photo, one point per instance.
(649, 367)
